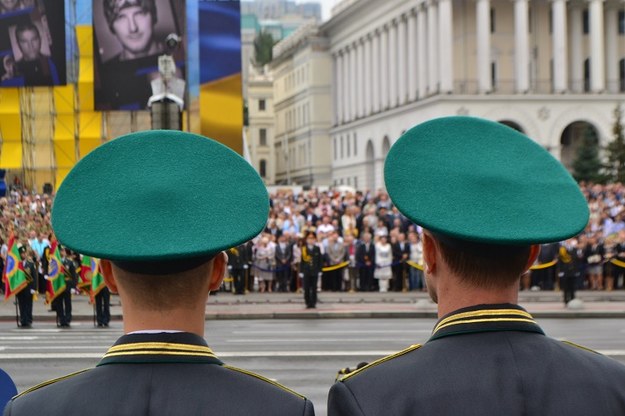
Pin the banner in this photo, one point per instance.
(13, 276)
(32, 43)
(55, 279)
(129, 36)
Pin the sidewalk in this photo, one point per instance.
(596, 304)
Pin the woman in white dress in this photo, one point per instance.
(383, 261)
(264, 261)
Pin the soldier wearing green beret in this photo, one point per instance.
(486, 196)
(160, 209)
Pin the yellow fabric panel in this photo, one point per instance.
(64, 99)
(84, 38)
(90, 125)
(221, 111)
(61, 173)
(43, 155)
(11, 126)
(11, 154)
(85, 145)
(85, 68)
(65, 153)
(9, 100)
(85, 96)
(43, 176)
(64, 127)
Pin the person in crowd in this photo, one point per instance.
(310, 267)
(264, 264)
(383, 263)
(366, 262)
(334, 255)
(238, 263)
(594, 256)
(487, 355)
(351, 247)
(401, 254)
(284, 257)
(161, 365)
(415, 275)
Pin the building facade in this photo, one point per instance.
(260, 131)
(552, 69)
(302, 74)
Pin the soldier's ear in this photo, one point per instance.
(107, 273)
(218, 271)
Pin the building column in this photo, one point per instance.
(611, 51)
(575, 46)
(432, 47)
(384, 72)
(558, 13)
(359, 80)
(375, 72)
(597, 45)
(338, 106)
(413, 64)
(446, 46)
(422, 67)
(353, 104)
(402, 61)
(521, 46)
(368, 83)
(393, 72)
(483, 47)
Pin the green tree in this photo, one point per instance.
(615, 166)
(587, 165)
(263, 48)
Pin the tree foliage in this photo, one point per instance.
(587, 166)
(263, 48)
(615, 151)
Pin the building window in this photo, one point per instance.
(492, 20)
(262, 134)
(355, 145)
(587, 75)
(349, 146)
(335, 153)
(621, 76)
(263, 168)
(356, 182)
(621, 22)
(529, 19)
(342, 147)
(550, 21)
(585, 22)
(493, 74)
(261, 105)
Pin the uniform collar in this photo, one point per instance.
(179, 347)
(486, 318)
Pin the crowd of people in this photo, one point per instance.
(365, 243)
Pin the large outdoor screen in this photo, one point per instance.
(32, 43)
(129, 36)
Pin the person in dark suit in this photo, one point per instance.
(365, 260)
(401, 253)
(487, 355)
(310, 269)
(284, 257)
(163, 258)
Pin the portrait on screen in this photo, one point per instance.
(129, 36)
(32, 43)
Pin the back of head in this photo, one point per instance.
(485, 192)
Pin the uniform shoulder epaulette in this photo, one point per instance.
(47, 383)
(265, 379)
(581, 347)
(380, 361)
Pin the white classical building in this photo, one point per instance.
(550, 68)
(302, 74)
(261, 121)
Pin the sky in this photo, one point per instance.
(326, 7)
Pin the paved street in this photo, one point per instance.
(303, 354)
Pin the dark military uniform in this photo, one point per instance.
(159, 374)
(485, 360)
(310, 267)
(62, 305)
(25, 297)
(238, 259)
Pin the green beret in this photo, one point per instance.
(477, 180)
(159, 195)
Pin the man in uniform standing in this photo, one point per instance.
(160, 208)
(238, 259)
(310, 268)
(467, 182)
(25, 296)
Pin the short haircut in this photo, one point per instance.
(113, 7)
(24, 27)
(483, 265)
(167, 291)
